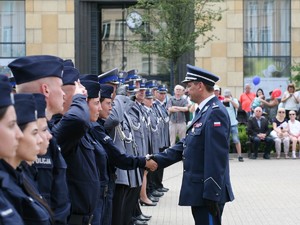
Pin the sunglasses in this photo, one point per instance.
(281, 112)
(292, 114)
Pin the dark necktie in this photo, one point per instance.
(197, 111)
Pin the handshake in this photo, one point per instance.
(150, 163)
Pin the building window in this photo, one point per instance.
(12, 32)
(267, 42)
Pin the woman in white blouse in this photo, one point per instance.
(294, 131)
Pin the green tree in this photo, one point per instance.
(171, 28)
(296, 69)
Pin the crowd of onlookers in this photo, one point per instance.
(273, 120)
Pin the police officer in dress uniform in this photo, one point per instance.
(78, 149)
(205, 185)
(110, 78)
(127, 181)
(9, 142)
(43, 74)
(108, 156)
(28, 202)
(163, 116)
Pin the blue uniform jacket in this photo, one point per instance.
(8, 214)
(31, 211)
(204, 152)
(78, 149)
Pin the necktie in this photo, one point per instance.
(197, 110)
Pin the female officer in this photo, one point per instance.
(10, 134)
(29, 204)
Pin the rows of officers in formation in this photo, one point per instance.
(75, 148)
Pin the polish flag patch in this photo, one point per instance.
(217, 124)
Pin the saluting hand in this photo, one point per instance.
(80, 89)
(151, 164)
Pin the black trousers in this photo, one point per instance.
(203, 217)
(124, 204)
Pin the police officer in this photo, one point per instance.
(30, 205)
(9, 139)
(109, 156)
(78, 148)
(205, 185)
(43, 74)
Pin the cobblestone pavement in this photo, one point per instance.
(267, 192)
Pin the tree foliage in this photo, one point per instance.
(171, 28)
(296, 69)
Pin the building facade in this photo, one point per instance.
(254, 38)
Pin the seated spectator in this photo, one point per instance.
(258, 131)
(271, 104)
(280, 133)
(294, 131)
(257, 101)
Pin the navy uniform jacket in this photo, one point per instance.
(31, 211)
(78, 149)
(51, 180)
(204, 152)
(8, 214)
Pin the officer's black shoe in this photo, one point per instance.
(146, 216)
(163, 189)
(152, 198)
(139, 222)
(240, 158)
(253, 156)
(266, 156)
(157, 193)
(142, 218)
(147, 204)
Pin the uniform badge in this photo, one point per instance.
(217, 124)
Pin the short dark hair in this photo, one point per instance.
(3, 110)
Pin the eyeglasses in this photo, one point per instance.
(292, 114)
(281, 112)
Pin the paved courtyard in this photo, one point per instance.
(267, 192)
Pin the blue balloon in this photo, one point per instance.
(256, 80)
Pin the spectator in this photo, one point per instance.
(272, 105)
(177, 106)
(258, 130)
(290, 100)
(280, 133)
(232, 105)
(246, 99)
(294, 131)
(217, 92)
(257, 100)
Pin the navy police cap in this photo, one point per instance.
(6, 98)
(197, 74)
(92, 87)
(132, 87)
(162, 88)
(106, 90)
(90, 77)
(111, 76)
(132, 75)
(40, 103)
(151, 84)
(148, 93)
(122, 75)
(71, 75)
(68, 62)
(30, 68)
(143, 84)
(25, 108)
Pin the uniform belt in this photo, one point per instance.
(76, 219)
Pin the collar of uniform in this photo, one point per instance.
(203, 103)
